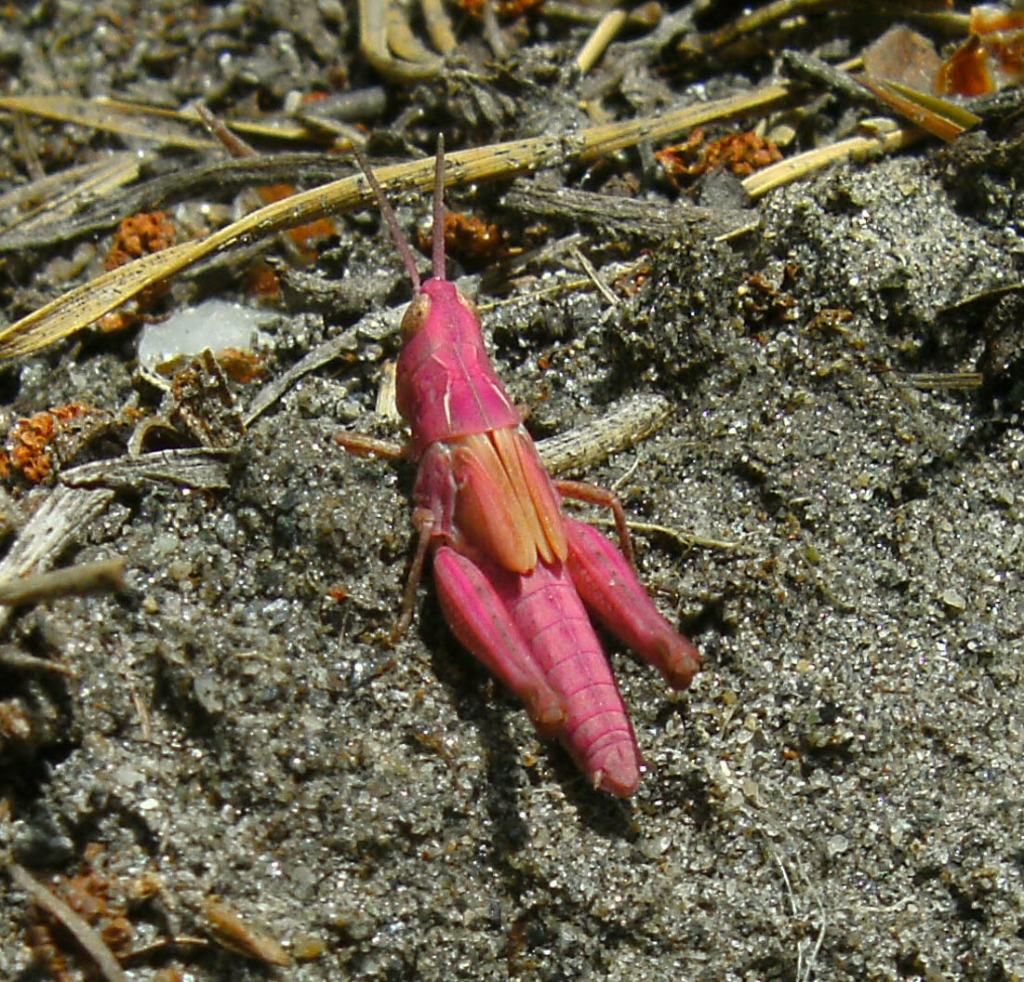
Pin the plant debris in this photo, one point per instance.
(802, 376)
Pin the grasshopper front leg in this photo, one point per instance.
(611, 591)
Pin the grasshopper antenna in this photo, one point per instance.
(438, 239)
(401, 242)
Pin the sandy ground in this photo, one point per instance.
(838, 796)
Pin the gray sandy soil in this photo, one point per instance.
(838, 796)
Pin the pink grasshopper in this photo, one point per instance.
(514, 575)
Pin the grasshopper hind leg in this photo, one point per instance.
(611, 591)
(478, 618)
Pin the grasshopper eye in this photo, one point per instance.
(415, 316)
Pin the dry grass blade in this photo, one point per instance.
(54, 525)
(163, 191)
(793, 168)
(600, 140)
(114, 117)
(57, 196)
(81, 306)
(168, 127)
(938, 116)
(89, 941)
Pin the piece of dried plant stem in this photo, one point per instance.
(102, 575)
(439, 26)
(87, 938)
(794, 168)
(602, 35)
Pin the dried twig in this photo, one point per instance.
(835, 77)
(794, 168)
(621, 215)
(104, 574)
(53, 527)
(17, 660)
(323, 354)
(595, 277)
(188, 467)
(622, 427)
(88, 939)
(685, 539)
(602, 35)
(757, 20)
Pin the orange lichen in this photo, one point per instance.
(30, 439)
(503, 8)
(263, 281)
(304, 236)
(739, 153)
(241, 366)
(140, 235)
(468, 238)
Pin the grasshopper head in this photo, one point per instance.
(441, 309)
